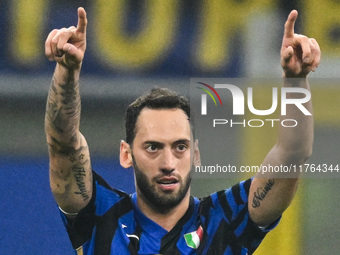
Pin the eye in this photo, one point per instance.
(182, 147)
(151, 148)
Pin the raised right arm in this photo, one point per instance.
(70, 166)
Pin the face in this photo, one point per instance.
(161, 157)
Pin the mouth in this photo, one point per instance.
(168, 183)
(167, 180)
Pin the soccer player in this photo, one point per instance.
(162, 217)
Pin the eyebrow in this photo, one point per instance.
(186, 141)
(154, 143)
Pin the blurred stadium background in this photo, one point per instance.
(132, 47)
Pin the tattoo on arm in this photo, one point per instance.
(63, 106)
(79, 174)
(52, 109)
(261, 193)
(60, 147)
(71, 168)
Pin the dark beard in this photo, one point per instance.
(160, 203)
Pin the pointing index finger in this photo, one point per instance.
(289, 26)
(82, 20)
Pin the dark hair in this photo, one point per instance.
(157, 98)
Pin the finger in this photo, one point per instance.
(55, 41)
(289, 25)
(69, 48)
(48, 46)
(64, 36)
(287, 55)
(317, 53)
(61, 37)
(72, 51)
(305, 45)
(82, 20)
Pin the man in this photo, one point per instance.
(162, 217)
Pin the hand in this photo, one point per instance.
(67, 45)
(299, 54)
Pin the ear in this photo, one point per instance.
(197, 155)
(125, 156)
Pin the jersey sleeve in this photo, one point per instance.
(252, 235)
(230, 224)
(80, 228)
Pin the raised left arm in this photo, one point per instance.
(270, 195)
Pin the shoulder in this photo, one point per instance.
(235, 195)
(225, 216)
(228, 202)
(106, 197)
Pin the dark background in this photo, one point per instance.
(196, 39)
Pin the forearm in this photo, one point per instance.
(70, 167)
(63, 110)
(271, 193)
(294, 144)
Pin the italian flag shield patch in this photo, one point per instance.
(193, 239)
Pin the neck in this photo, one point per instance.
(168, 219)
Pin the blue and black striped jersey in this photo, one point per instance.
(218, 224)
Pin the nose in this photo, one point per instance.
(168, 161)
